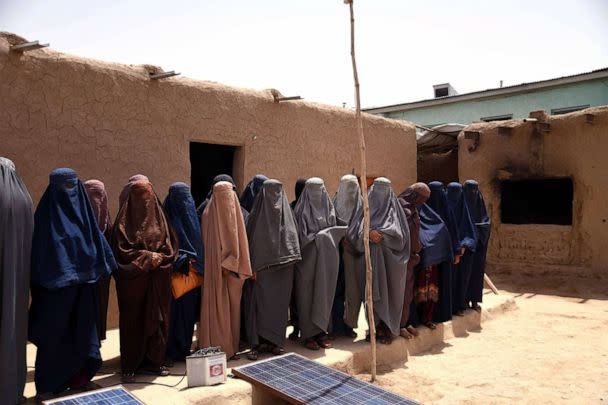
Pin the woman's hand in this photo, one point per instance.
(375, 236)
(156, 259)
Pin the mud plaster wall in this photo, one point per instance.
(109, 121)
(572, 148)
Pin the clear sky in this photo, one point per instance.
(301, 47)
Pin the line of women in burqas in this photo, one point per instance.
(242, 269)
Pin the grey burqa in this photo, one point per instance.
(274, 250)
(316, 275)
(389, 258)
(16, 228)
(347, 200)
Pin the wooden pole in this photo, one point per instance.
(489, 282)
(368, 263)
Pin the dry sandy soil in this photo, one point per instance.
(552, 350)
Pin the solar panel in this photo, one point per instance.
(116, 395)
(299, 380)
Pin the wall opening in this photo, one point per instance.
(537, 201)
(441, 167)
(207, 160)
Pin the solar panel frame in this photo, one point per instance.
(114, 395)
(298, 380)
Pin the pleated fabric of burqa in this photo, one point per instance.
(436, 252)
(349, 297)
(293, 311)
(145, 247)
(316, 275)
(274, 250)
(481, 219)
(438, 202)
(69, 256)
(227, 266)
(467, 233)
(185, 311)
(247, 199)
(98, 197)
(389, 257)
(16, 228)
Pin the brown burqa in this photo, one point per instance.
(98, 197)
(412, 198)
(144, 246)
(125, 190)
(227, 267)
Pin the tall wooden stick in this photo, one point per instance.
(489, 282)
(369, 299)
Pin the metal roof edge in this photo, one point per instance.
(481, 94)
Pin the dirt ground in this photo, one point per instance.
(552, 349)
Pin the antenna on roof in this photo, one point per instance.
(162, 75)
(28, 46)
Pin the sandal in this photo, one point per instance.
(476, 307)
(252, 355)
(431, 325)
(412, 330)
(324, 342)
(277, 351)
(404, 333)
(460, 312)
(127, 377)
(160, 371)
(311, 344)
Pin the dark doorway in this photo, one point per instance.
(441, 167)
(544, 201)
(207, 160)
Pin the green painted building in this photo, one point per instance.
(555, 96)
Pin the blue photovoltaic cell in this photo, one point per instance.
(113, 396)
(306, 381)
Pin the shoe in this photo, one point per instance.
(412, 330)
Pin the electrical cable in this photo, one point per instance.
(101, 371)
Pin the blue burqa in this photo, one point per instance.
(69, 256)
(467, 239)
(181, 213)
(251, 190)
(481, 219)
(436, 251)
(217, 179)
(438, 202)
